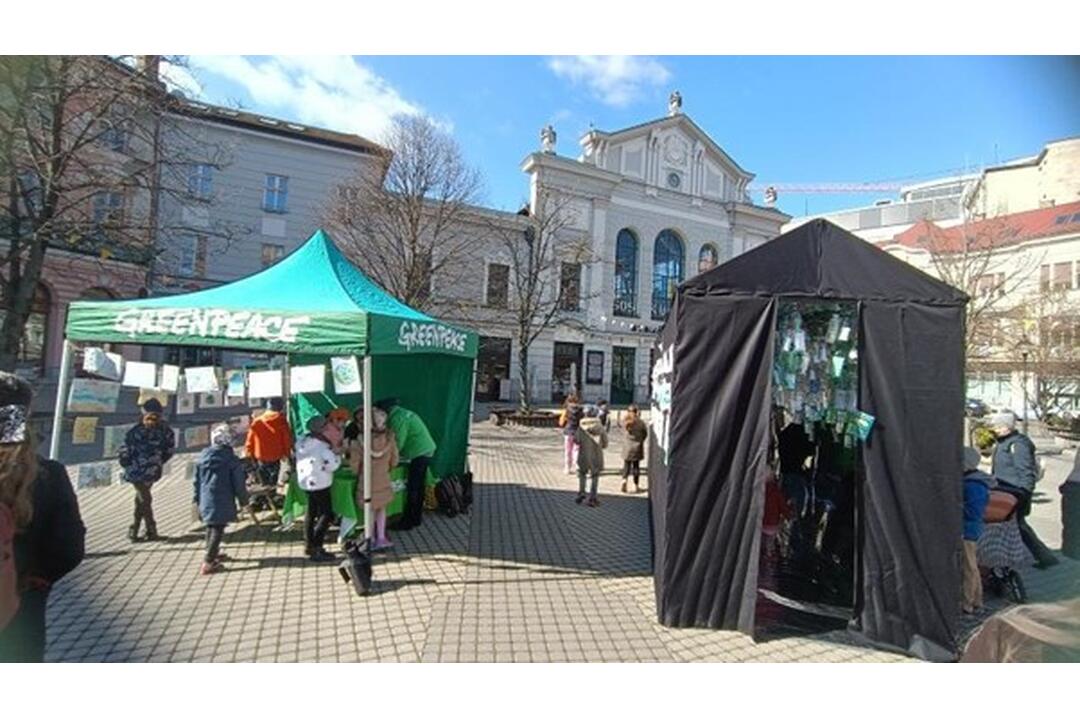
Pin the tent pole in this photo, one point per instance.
(286, 386)
(472, 411)
(369, 520)
(61, 399)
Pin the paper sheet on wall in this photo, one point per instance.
(95, 474)
(235, 401)
(265, 384)
(346, 375)
(201, 380)
(234, 383)
(140, 374)
(104, 364)
(93, 396)
(196, 436)
(85, 430)
(307, 379)
(210, 400)
(114, 438)
(170, 378)
(160, 395)
(185, 403)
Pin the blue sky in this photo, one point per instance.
(786, 119)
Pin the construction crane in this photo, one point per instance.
(824, 188)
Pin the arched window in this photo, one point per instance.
(626, 250)
(707, 258)
(667, 272)
(30, 356)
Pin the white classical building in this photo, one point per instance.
(659, 202)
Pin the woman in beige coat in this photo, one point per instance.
(384, 458)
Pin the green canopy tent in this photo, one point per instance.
(313, 303)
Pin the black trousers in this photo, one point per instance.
(268, 472)
(414, 502)
(214, 535)
(318, 517)
(1031, 540)
(144, 506)
(631, 467)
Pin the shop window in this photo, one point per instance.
(668, 260)
(626, 254)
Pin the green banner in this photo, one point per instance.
(397, 336)
(270, 331)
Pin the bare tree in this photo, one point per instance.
(82, 167)
(1046, 326)
(969, 257)
(406, 227)
(547, 260)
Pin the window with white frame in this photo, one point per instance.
(275, 193)
(201, 181)
(271, 254)
(192, 256)
(108, 207)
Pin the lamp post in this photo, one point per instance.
(1024, 346)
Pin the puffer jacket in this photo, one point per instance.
(592, 439)
(219, 484)
(145, 451)
(315, 463)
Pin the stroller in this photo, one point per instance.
(1001, 549)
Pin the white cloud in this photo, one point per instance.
(179, 77)
(334, 92)
(616, 80)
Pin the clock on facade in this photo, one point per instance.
(673, 180)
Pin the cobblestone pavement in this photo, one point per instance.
(528, 576)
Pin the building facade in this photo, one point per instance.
(656, 203)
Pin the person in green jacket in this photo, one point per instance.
(415, 449)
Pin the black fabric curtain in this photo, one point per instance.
(659, 412)
(713, 495)
(912, 381)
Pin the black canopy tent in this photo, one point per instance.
(712, 384)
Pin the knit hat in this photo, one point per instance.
(153, 405)
(221, 434)
(15, 396)
(338, 415)
(972, 458)
(316, 424)
(276, 404)
(1005, 419)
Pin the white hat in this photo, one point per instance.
(1004, 419)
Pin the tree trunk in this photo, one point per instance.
(525, 394)
(10, 339)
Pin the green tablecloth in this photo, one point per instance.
(343, 499)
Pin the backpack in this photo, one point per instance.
(448, 493)
(9, 592)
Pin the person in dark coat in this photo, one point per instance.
(1017, 471)
(219, 485)
(637, 432)
(50, 535)
(147, 447)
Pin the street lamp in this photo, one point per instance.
(1024, 346)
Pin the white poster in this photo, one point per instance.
(185, 403)
(264, 384)
(170, 378)
(346, 375)
(140, 374)
(307, 379)
(201, 379)
(98, 362)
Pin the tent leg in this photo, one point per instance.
(472, 411)
(286, 386)
(61, 399)
(369, 520)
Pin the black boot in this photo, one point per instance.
(151, 532)
(133, 534)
